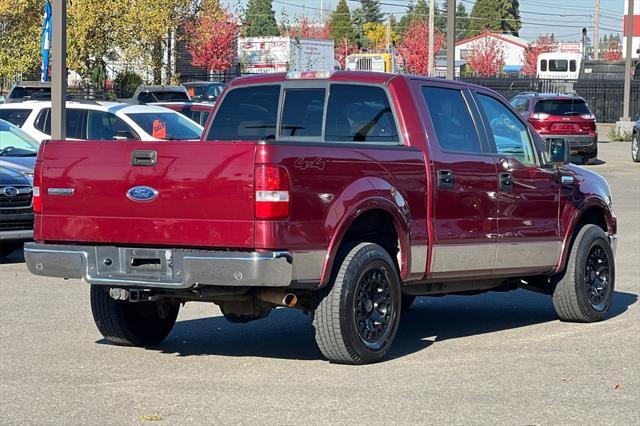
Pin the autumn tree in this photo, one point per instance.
(612, 49)
(376, 33)
(502, 16)
(304, 27)
(211, 37)
(419, 11)
(95, 31)
(487, 57)
(414, 47)
(20, 25)
(543, 44)
(260, 19)
(150, 25)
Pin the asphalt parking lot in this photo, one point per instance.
(498, 358)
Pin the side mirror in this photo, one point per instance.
(123, 135)
(558, 151)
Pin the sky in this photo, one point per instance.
(564, 18)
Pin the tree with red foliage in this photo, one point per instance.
(544, 44)
(414, 47)
(344, 48)
(211, 37)
(304, 27)
(613, 51)
(487, 57)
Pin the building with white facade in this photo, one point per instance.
(512, 48)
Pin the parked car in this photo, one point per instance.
(196, 111)
(103, 121)
(635, 141)
(17, 160)
(561, 116)
(25, 90)
(343, 194)
(145, 94)
(204, 91)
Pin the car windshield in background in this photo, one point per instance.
(16, 143)
(28, 92)
(16, 116)
(170, 96)
(562, 107)
(166, 125)
(208, 92)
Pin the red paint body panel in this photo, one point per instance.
(205, 194)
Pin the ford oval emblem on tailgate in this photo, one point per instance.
(142, 193)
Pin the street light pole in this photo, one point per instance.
(627, 64)
(58, 69)
(451, 39)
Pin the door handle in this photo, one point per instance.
(445, 179)
(506, 182)
(144, 158)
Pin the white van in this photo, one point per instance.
(559, 66)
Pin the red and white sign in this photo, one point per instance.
(570, 47)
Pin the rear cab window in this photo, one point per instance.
(329, 112)
(16, 116)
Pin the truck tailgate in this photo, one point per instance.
(204, 193)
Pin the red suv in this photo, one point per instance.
(561, 116)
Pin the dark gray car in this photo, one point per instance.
(17, 159)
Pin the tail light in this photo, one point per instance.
(37, 185)
(588, 117)
(272, 192)
(540, 116)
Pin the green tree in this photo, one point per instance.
(260, 19)
(462, 21)
(501, 16)
(126, 83)
(20, 25)
(340, 25)
(94, 31)
(371, 11)
(419, 10)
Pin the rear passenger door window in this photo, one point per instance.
(359, 113)
(510, 135)
(302, 113)
(451, 120)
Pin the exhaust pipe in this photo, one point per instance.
(278, 297)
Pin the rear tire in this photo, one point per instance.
(356, 322)
(131, 323)
(592, 160)
(585, 292)
(635, 148)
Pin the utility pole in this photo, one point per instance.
(451, 39)
(322, 11)
(626, 116)
(596, 31)
(59, 69)
(432, 7)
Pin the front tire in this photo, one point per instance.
(8, 247)
(585, 292)
(356, 322)
(126, 323)
(635, 147)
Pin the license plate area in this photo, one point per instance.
(135, 263)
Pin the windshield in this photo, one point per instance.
(170, 96)
(562, 107)
(167, 125)
(23, 92)
(208, 92)
(16, 143)
(15, 116)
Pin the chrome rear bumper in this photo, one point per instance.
(160, 268)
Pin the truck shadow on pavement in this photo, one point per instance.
(288, 334)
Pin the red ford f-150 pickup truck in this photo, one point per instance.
(343, 194)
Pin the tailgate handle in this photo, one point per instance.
(144, 158)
